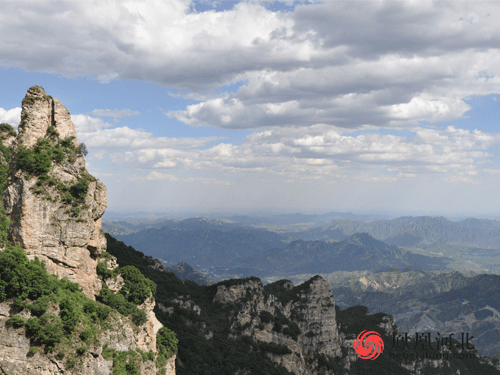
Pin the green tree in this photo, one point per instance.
(82, 149)
(21, 278)
(80, 189)
(166, 342)
(136, 287)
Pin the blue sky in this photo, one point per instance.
(375, 106)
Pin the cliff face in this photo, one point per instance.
(55, 207)
(42, 223)
(301, 319)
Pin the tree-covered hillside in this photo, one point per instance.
(358, 252)
(203, 248)
(206, 346)
(197, 354)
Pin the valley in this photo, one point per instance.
(430, 274)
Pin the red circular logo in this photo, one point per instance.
(368, 345)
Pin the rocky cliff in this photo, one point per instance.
(55, 208)
(66, 235)
(300, 319)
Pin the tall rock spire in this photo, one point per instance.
(54, 203)
(39, 111)
(56, 207)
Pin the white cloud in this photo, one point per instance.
(96, 133)
(155, 176)
(167, 177)
(10, 116)
(115, 112)
(153, 41)
(393, 64)
(324, 153)
(87, 124)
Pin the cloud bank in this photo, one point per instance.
(344, 64)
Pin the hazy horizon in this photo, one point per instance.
(188, 214)
(284, 105)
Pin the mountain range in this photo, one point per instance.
(357, 252)
(241, 326)
(257, 252)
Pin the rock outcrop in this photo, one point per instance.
(56, 207)
(42, 222)
(17, 359)
(301, 319)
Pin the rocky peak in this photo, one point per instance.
(39, 111)
(54, 204)
(55, 207)
(235, 290)
(300, 320)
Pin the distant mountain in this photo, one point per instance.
(243, 327)
(411, 231)
(185, 272)
(243, 252)
(300, 218)
(404, 239)
(408, 231)
(131, 225)
(203, 246)
(358, 252)
(446, 303)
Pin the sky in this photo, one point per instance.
(361, 106)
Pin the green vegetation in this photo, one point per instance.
(357, 318)
(124, 307)
(281, 324)
(124, 363)
(135, 290)
(198, 355)
(166, 346)
(27, 281)
(46, 330)
(63, 320)
(15, 321)
(136, 287)
(82, 149)
(166, 342)
(36, 88)
(286, 294)
(103, 272)
(38, 162)
(5, 160)
(7, 130)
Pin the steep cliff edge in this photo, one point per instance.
(54, 207)
(297, 323)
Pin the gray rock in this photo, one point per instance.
(44, 225)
